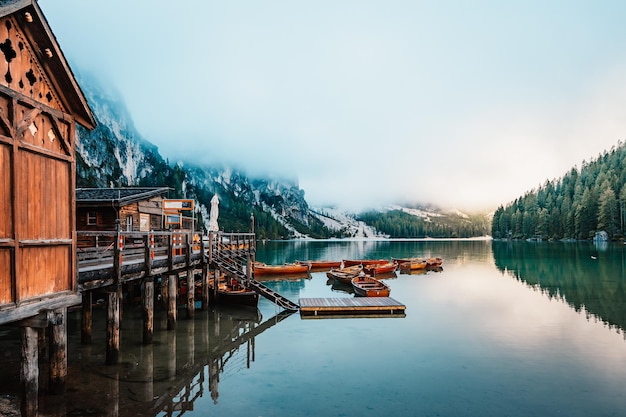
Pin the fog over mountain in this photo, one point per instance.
(115, 155)
(460, 104)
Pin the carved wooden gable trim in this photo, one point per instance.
(20, 69)
(42, 130)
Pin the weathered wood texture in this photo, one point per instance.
(58, 353)
(351, 307)
(112, 352)
(106, 216)
(6, 277)
(22, 68)
(148, 310)
(29, 372)
(87, 318)
(172, 284)
(37, 176)
(6, 192)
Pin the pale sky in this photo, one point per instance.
(463, 104)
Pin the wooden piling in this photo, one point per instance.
(211, 237)
(170, 252)
(205, 287)
(216, 282)
(113, 328)
(86, 318)
(165, 292)
(29, 373)
(148, 310)
(191, 289)
(148, 253)
(58, 352)
(172, 284)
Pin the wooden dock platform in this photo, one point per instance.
(346, 307)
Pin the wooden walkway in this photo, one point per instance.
(351, 307)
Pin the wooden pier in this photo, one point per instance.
(351, 307)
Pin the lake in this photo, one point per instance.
(504, 329)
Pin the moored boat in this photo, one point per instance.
(433, 263)
(353, 262)
(320, 265)
(344, 275)
(366, 286)
(234, 294)
(413, 265)
(264, 269)
(422, 271)
(400, 261)
(379, 269)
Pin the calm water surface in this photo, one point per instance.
(505, 329)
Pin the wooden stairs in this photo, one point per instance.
(233, 265)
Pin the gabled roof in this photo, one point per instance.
(117, 197)
(41, 37)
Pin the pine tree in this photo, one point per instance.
(608, 213)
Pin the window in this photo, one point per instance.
(129, 223)
(92, 218)
(144, 222)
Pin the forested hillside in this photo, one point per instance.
(584, 201)
(399, 224)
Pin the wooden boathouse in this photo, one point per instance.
(40, 104)
(137, 209)
(43, 269)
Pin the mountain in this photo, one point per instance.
(114, 154)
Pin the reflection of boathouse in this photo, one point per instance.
(181, 371)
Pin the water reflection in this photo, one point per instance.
(337, 286)
(165, 378)
(278, 252)
(588, 277)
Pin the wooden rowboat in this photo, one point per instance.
(344, 275)
(319, 265)
(400, 261)
(230, 292)
(434, 262)
(379, 269)
(241, 296)
(352, 262)
(286, 269)
(366, 286)
(413, 265)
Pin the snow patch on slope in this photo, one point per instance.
(337, 220)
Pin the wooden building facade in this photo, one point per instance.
(133, 208)
(40, 104)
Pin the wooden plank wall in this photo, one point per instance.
(6, 277)
(43, 186)
(6, 223)
(105, 219)
(44, 270)
(37, 170)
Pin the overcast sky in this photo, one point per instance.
(465, 104)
